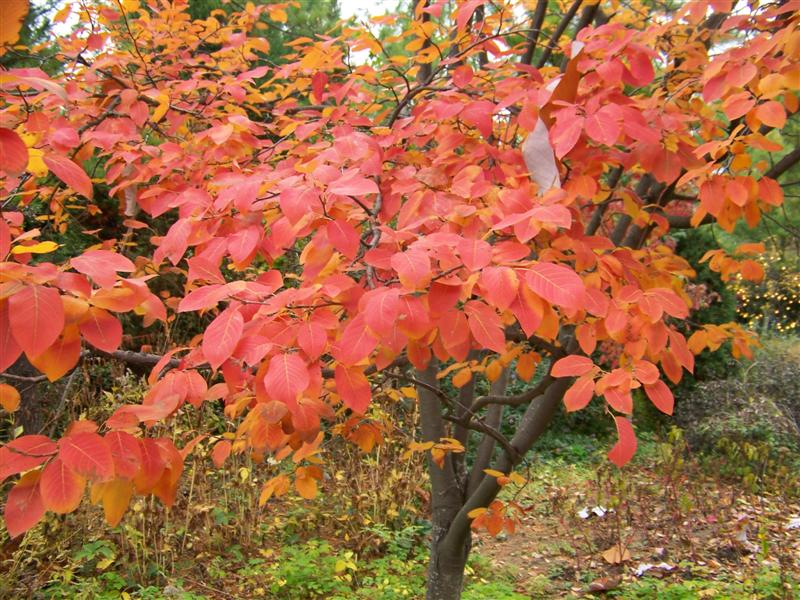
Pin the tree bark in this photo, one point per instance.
(445, 568)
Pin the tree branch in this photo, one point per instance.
(562, 27)
(536, 30)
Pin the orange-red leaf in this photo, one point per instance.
(413, 268)
(70, 173)
(286, 377)
(126, 453)
(101, 329)
(13, 151)
(24, 507)
(485, 325)
(221, 337)
(220, 453)
(661, 396)
(625, 447)
(61, 487)
(115, 496)
(87, 454)
(572, 366)
(557, 284)
(36, 316)
(102, 266)
(354, 388)
(579, 394)
(24, 453)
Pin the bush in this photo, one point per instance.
(751, 420)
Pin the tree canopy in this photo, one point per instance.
(488, 195)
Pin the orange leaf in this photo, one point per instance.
(14, 13)
(115, 496)
(661, 396)
(579, 394)
(9, 397)
(572, 366)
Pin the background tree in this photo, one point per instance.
(492, 205)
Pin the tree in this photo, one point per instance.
(493, 207)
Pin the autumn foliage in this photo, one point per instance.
(341, 225)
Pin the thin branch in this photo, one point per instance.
(562, 27)
(536, 30)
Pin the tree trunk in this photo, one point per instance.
(446, 565)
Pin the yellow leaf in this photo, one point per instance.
(476, 512)
(278, 14)
(9, 397)
(493, 473)
(36, 164)
(162, 108)
(14, 12)
(40, 248)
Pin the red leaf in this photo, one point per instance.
(356, 342)
(413, 268)
(87, 454)
(70, 173)
(579, 394)
(286, 378)
(25, 453)
(102, 266)
(24, 507)
(572, 366)
(242, 243)
(152, 466)
(344, 237)
(9, 348)
(603, 126)
(353, 183)
(61, 487)
(771, 114)
(126, 452)
(566, 132)
(221, 337)
(353, 386)
(312, 339)
(220, 453)
(380, 309)
(625, 447)
(474, 253)
(13, 151)
(621, 400)
(485, 325)
(500, 285)
(645, 371)
(36, 316)
(203, 298)
(661, 396)
(557, 284)
(101, 329)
